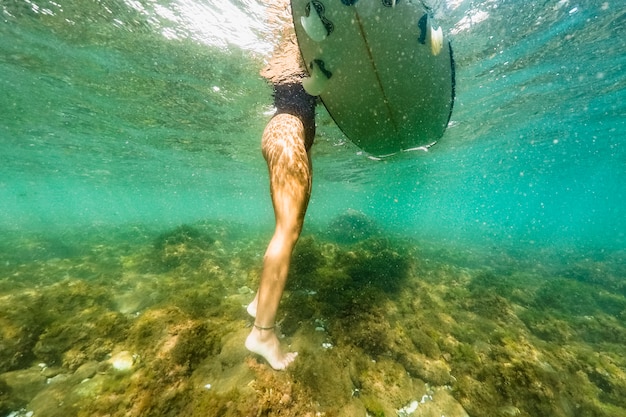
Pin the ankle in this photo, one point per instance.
(263, 333)
(264, 328)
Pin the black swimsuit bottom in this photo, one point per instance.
(292, 99)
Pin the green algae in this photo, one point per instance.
(351, 227)
(183, 245)
(376, 322)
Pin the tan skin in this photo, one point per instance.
(290, 170)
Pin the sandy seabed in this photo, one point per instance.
(130, 322)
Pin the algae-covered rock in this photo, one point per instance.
(352, 226)
(62, 394)
(424, 343)
(377, 263)
(436, 372)
(278, 394)
(201, 300)
(307, 257)
(322, 365)
(386, 387)
(17, 388)
(58, 324)
(238, 401)
(194, 343)
(8, 401)
(90, 336)
(551, 329)
(182, 245)
(488, 281)
(20, 327)
(177, 341)
(382, 327)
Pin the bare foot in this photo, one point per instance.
(251, 309)
(266, 344)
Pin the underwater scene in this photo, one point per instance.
(483, 277)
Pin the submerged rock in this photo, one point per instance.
(122, 361)
(22, 385)
(381, 328)
(183, 245)
(352, 226)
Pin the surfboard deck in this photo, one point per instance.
(377, 70)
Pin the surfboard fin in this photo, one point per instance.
(314, 25)
(316, 83)
(435, 39)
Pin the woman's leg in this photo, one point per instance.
(290, 173)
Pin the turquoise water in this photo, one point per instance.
(106, 120)
(124, 119)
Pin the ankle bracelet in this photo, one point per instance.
(264, 328)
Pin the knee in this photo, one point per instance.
(282, 243)
(289, 234)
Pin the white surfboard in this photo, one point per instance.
(381, 67)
